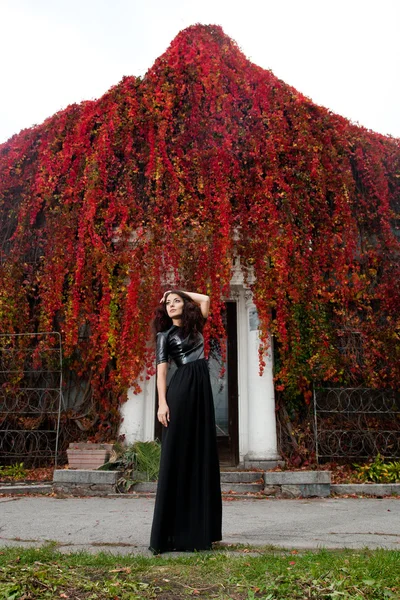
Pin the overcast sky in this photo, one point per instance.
(343, 54)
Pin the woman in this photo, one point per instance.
(188, 509)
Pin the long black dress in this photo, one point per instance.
(188, 509)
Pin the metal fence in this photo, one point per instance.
(354, 423)
(30, 398)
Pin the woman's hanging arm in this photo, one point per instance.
(163, 408)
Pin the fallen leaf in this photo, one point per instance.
(121, 570)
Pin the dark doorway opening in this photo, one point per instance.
(225, 389)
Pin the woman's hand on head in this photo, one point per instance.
(165, 294)
(163, 414)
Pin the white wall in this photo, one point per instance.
(138, 414)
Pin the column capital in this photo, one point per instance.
(234, 293)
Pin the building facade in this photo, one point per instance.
(244, 400)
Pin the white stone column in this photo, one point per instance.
(262, 439)
(243, 404)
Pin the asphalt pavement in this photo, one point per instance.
(122, 524)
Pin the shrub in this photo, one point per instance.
(16, 471)
(379, 471)
(139, 462)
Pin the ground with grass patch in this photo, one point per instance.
(238, 574)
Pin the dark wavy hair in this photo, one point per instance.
(192, 321)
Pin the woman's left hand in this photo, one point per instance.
(163, 298)
(163, 414)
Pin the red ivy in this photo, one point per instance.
(164, 177)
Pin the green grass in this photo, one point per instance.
(240, 574)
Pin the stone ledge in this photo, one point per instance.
(241, 487)
(272, 490)
(86, 476)
(297, 484)
(249, 463)
(71, 489)
(32, 488)
(297, 477)
(286, 484)
(306, 490)
(283, 490)
(85, 482)
(241, 476)
(145, 487)
(366, 489)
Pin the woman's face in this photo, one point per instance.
(174, 306)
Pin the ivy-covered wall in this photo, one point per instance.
(167, 174)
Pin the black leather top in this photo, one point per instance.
(182, 351)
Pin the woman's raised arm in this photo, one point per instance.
(201, 299)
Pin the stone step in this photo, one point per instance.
(241, 488)
(241, 476)
(297, 477)
(84, 482)
(278, 483)
(286, 484)
(148, 487)
(145, 487)
(29, 488)
(366, 489)
(264, 465)
(298, 484)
